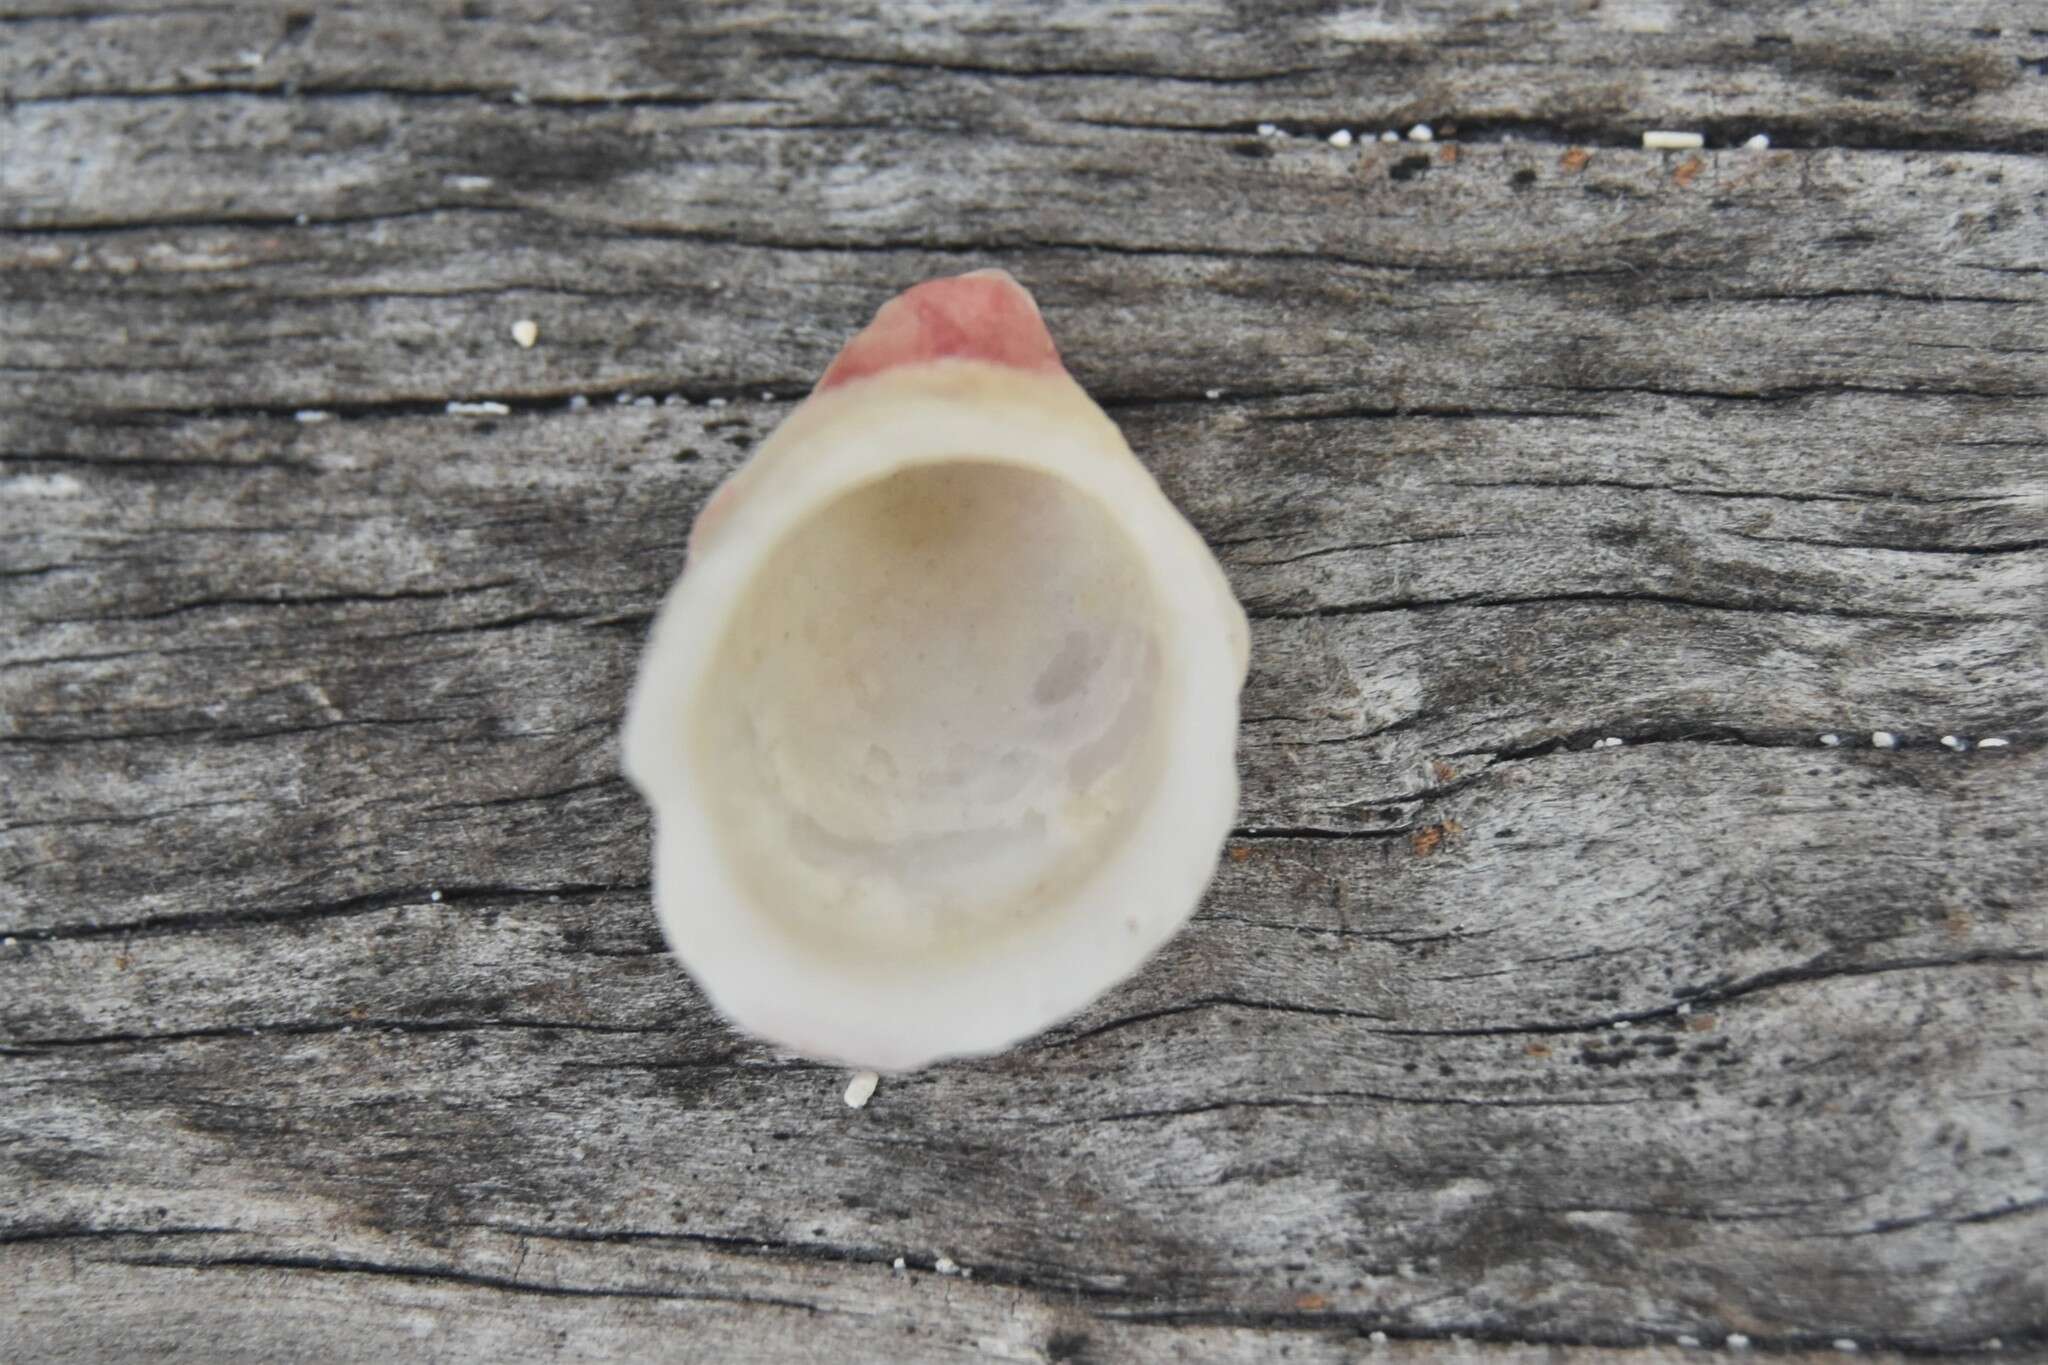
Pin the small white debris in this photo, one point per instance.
(7, 942)
(1377, 1338)
(1760, 143)
(1212, 394)
(469, 182)
(486, 409)
(1995, 742)
(1684, 1009)
(1844, 1344)
(578, 402)
(249, 57)
(1624, 1023)
(1269, 130)
(898, 1264)
(767, 395)
(861, 1089)
(625, 396)
(1688, 1341)
(645, 400)
(1421, 132)
(1831, 739)
(946, 1265)
(1341, 138)
(434, 896)
(300, 220)
(1951, 742)
(1614, 741)
(715, 403)
(520, 97)
(309, 416)
(1883, 739)
(1737, 1342)
(526, 331)
(675, 400)
(1660, 141)
(1390, 136)
(348, 1028)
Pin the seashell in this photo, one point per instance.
(939, 725)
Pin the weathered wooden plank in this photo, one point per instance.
(1632, 281)
(1889, 75)
(336, 1022)
(254, 1311)
(1239, 1160)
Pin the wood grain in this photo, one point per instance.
(336, 1023)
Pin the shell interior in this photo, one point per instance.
(935, 710)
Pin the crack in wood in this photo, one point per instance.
(1480, 601)
(285, 600)
(205, 921)
(365, 1028)
(2006, 547)
(1848, 495)
(467, 1279)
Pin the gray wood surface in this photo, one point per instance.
(336, 1023)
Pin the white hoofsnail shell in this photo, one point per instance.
(939, 726)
